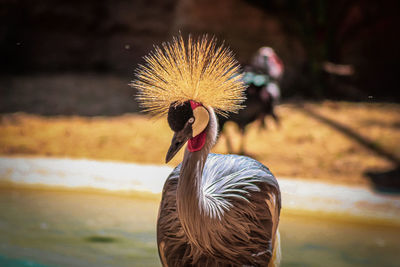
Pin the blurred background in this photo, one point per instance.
(65, 67)
(101, 43)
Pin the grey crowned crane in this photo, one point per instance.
(262, 94)
(216, 210)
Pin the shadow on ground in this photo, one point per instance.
(387, 181)
(352, 134)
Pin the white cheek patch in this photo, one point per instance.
(201, 120)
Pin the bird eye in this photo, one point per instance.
(191, 120)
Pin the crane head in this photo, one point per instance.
(188, 121)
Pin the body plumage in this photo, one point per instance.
(236, 226)
(218, 210)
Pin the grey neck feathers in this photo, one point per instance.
(189, 192)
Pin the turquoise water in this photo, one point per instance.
(49, 228)
(6, 262)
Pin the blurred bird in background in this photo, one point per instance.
(216, 210)
(262, 94)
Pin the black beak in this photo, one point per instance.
(178, 140)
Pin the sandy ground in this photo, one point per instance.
(353, 143)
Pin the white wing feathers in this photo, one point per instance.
(231, 178)
(225, 178)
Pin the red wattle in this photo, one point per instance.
(194, 104)
(196, 143)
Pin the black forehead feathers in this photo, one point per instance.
(179, 115)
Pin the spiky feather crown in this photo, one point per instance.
(198, 70)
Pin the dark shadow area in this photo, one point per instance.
(387, 181)
(57, 36)
(101, 239)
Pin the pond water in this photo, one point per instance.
(42, 228)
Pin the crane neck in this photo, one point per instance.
(189, 191)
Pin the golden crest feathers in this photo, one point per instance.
(197, 70)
